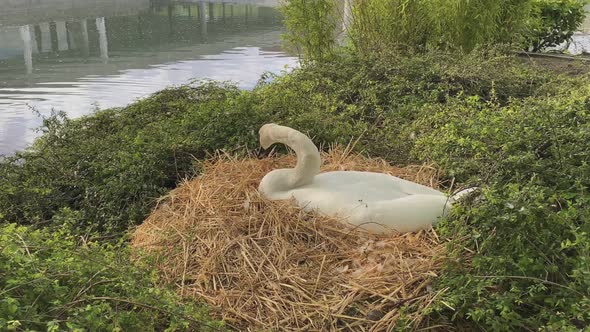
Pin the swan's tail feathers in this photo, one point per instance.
(462, 194)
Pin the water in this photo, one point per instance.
(581, 40)
(79, 56)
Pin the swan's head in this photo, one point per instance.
(265, 135)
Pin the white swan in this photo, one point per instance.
(375, 201)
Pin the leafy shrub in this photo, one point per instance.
(111, 166)
(49, 282)
(409, 25)
(527, 259)
(558, 20)
(384, 24)
(484, 118)
(104, 172)
(378, 97)
(312, 27)
(441, 24)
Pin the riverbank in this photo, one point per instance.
(516, 256)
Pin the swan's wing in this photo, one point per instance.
(380, 186)
(329, 202)
(413, 188)
(406, 214)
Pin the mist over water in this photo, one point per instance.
(78, 57)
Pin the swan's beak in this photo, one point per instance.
(265, 140)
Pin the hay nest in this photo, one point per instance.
(267, 265)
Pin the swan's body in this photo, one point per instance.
(375, 201)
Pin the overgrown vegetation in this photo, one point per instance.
(312, 25)
(455, 24)
(315, 26)
(486, 119)
(558, 20)
(528, 237)
(48, 282)
(103, 173)
(520, 252)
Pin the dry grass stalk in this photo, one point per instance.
(268, 265)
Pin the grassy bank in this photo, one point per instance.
(54, 281)
(520, 253)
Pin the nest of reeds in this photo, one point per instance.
(268, 265)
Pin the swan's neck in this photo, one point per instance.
(308, 156)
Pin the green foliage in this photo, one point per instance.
(485, 118)
(390, 24)
(312, 27)
(379, 97)
(558, 20)
(103, 173)
(530, 231)
(442, 24)
(49, 282)
(419, 25)
(409, 25)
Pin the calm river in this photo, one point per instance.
(78, 56)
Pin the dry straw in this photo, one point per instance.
(267, 265)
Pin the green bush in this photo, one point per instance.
(441, 24)
(389, 24)
(558, 20)
(49, 282)
(379, 97)
(528, 238)
(485, 118)
(111, 167)
(313, 26)
(408, 25)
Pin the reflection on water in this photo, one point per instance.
(581, 40)
(124, 50)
